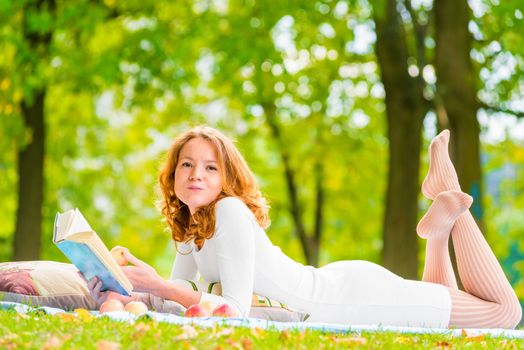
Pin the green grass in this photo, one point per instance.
(38, 330)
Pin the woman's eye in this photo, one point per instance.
(212, 168)
(186, 164)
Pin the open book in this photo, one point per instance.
(82, 246)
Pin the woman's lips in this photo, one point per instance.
(195, 188)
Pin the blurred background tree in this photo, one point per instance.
(331, 102)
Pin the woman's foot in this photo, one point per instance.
(441, 174)
(442, 214)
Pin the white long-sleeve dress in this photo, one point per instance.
(242, 258)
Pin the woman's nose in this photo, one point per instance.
(196, 174)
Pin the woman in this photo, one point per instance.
(217, 217)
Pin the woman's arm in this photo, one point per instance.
(184, 266)
(145, 279)
(234, 242)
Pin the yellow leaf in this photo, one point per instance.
(351, 340)
(84, 314)
(258, 332)
(402, 340)
(476, 338)
(67, 317)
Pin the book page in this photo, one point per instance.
(62, 223)
(79, 224)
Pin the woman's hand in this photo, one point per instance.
(95, 284)
(142, 276)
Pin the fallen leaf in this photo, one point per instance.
(350, 340)
(188, 332)
(507, 344)
(475, 338)
(233, 343)
(284, 335)
(223, 332)
(107, 345)
(52, 343)
(8, 345)
(67, 317)
(443, 344)
(403, 340)
(7, 342)
(258, 332)
(302, 335)
(469, 336)
(84, 314)
(247, 344)
(140, 330)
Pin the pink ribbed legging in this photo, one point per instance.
(488, 300)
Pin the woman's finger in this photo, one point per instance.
(94, 285)
(91, 283)
(137, 262)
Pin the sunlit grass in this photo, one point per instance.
(38, 330)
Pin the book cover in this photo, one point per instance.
(82, 246)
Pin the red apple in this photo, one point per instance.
(197, 310)
(225, 310)
(118, 254)
(111, 305)
(136, 307)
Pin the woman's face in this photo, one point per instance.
(197, 176)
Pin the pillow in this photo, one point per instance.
(60, 285)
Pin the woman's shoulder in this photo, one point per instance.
(233, 218)
(230, 203)
(232, 206)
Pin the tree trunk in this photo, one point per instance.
(28, 230)
(405, 110)
(310, 243)
(457, 90)
(30, 183)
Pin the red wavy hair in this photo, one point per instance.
(237, 181)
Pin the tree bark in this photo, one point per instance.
(457, 92)
(310, 243)
(27, 239)
(28, 230)
(405, 110)
(309, 240)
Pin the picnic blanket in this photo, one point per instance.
(124, 316)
